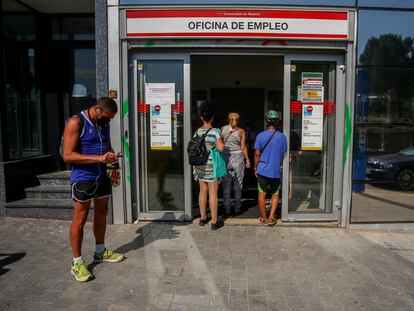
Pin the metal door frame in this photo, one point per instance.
(339, 136)
(162, 215)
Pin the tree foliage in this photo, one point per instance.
(387, 57)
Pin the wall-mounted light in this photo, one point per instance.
(113, 94)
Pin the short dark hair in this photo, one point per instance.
(207, 112)
(107, 104)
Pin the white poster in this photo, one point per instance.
(160, 97)
(312, 127)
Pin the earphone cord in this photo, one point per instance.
(99, 164)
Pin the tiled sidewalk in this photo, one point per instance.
(187, 267)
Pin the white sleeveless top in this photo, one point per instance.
(231, 139)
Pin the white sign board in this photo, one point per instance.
(233, 23)
(312, 127)
(160, 97)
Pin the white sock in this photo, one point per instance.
(99, 248)
(77, 259)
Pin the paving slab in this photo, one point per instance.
(175, 266)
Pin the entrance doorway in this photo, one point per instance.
(248, 85)
(308, 92)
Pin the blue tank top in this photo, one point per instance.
(92, 141)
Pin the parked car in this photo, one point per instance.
(397, 167)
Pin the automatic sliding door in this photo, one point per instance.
(160, 139)
(313, 158)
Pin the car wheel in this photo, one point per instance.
(406, 179)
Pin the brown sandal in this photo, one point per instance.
(272, 222)
(263, 221)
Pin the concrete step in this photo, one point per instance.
(42, 208)
(55, 178)
(49, 192)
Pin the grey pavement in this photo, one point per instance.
(188, 267)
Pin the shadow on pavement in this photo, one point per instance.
(146, 234)
(9, 259)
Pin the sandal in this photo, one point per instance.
(203, 222)
(263, 221)
(272, 222)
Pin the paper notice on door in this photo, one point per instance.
(160, 97)
(312, 95)
(312, 79)
(312, 87)
(312, 127)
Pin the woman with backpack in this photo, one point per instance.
(204, 174)
(237, 159)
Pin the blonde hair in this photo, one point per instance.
(233, 119)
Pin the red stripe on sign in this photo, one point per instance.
(296, 107)
(142, 107)
(238, 14)
(246, 34)
(329, 108)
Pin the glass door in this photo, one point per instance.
(312, 168)
(159, 147)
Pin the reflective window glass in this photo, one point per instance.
(385, 38)
(73, 28)
(19, 27)
(385, 96)
(22, 103)
(83, 86)
(387, 3)
(383, 160)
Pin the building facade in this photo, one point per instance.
(338, 75)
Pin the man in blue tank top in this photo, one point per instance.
(270, 147)
(88, 149)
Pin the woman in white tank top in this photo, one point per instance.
(234, 139)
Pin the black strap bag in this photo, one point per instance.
(197, 150)
(79, 115)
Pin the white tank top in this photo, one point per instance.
(231, 139)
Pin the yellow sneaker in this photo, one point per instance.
(108, 256)
(80, 271)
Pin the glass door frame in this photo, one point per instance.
(142, 211)
(339, 136)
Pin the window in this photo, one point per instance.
(383, 39)
(73, 28)
(83, 86)
(21, 86)
(19, 27)
(402, 4)
(383, 160)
